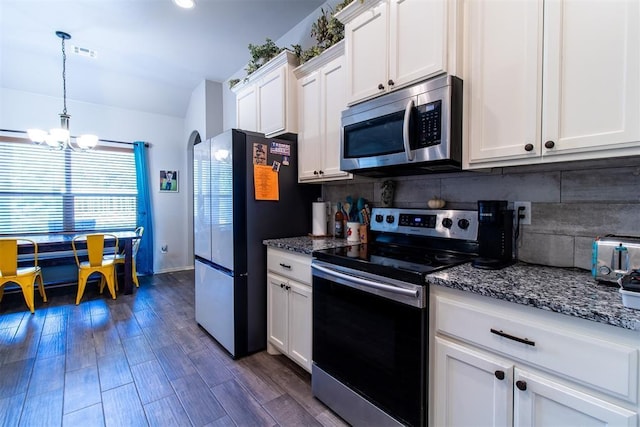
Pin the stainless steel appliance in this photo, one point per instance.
(229, 227)
(370, 313)
(495, 235)
(406, 132)
(615, 257)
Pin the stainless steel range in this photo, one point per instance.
(370, 313)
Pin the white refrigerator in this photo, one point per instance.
(230, 226)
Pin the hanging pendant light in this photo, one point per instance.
(60, 138)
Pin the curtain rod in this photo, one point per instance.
(146, 144)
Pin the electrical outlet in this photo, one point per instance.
(164, 248)
(526, 220)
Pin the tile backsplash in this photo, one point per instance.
(571, 203)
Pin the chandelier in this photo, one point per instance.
(60, 138)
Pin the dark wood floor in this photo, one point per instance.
(139, 360)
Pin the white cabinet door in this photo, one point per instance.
(322, 98)
(539, 401)
(300, 323)
(278, 312)
(367, 53)
(502, 78)
(592, 75)
(333, 77)
(568, 92)
(272, 101)
(417, 40)
(470, 388)
(247, 109)
(310, 139)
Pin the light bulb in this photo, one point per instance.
(87, 141)
(37, 135)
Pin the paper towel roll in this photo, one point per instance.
(319, 222)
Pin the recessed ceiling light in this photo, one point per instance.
(185, 4)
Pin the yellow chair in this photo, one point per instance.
(97, 263)
(120, 257)
(25, 277)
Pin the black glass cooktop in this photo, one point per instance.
(405, 264)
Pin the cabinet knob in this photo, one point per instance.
(391, 82)
(499, 375)
(549, 144)
(522, 385)
(282, 285)
(381, 86)
(287, 287)
(320, 172)
(315, 172)
(528, 147)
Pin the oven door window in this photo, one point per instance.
(375, 346)
(374, 137)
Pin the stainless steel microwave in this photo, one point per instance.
(406, 132)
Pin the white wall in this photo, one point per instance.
(203, 119)
(211, 110)
(22, 110)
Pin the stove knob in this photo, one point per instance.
(390, 219)
(463, 223)
(379, 218)
(447, 223)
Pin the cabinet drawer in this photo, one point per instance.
(589, 359)
(290, 264)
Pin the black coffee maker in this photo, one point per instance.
(495, 235)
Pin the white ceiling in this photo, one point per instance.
(151, 54)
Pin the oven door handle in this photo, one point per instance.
(367, 282)
(405, 130)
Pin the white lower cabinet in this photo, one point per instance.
(473, 388)
(497, 365)
(289, 307)
(540, 401)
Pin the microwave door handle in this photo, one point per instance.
(405, 130)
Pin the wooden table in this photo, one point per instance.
(52, 242)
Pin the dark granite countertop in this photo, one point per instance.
(568, 291)
(305, 244)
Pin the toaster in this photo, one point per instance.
(614, 257)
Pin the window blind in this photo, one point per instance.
(42, 190)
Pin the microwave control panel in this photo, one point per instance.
(429, 124)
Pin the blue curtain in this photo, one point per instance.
(144, 264)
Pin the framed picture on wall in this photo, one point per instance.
(169, 181)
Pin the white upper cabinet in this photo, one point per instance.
(502, 78)
(591, 76)
(392, 43)
(266, 102)
(247, 108)
(551, 80)
(321, 99)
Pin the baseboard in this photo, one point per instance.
(173, 270)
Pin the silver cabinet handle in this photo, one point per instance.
(367, 282)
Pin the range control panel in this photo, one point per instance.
(452, 224)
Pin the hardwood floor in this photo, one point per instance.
(139, 360)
